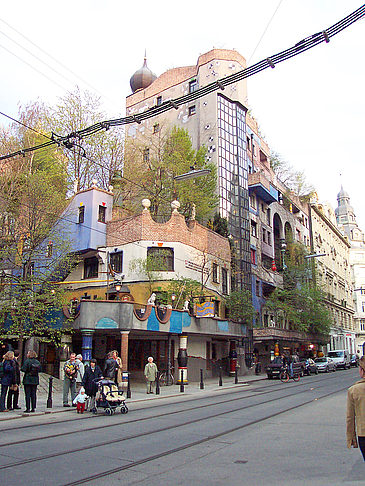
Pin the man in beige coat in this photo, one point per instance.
(150, 373)
(355, 420)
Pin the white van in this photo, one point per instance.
(341, 357)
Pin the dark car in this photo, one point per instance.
(354, 360)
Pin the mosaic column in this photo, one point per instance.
(87, 345)
(182, 360)
(124, 349)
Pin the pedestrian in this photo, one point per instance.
(80, 372)
(69, 381)
(150, 373)
(7, 378)
(80, 400)
(13, 393)
(119, 373)
(355, 420)
(91, 375)
(111, 367)
(31, 368)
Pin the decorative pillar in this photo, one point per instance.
(87, 345)
(65, 350)
(124, 349)
(232, 358)
(182, 360)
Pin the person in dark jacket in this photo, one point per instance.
(111, 367)
(7, 379)
(92, 372)
(13, 393)
(31, 368)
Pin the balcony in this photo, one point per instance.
(258, 184)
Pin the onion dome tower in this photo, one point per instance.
(142, 78)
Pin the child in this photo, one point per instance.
(80, 400)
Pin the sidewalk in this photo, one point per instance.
(138, 393)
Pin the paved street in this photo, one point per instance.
(265, 432)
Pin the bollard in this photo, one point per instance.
(49, 399)
(201, 380)
(157, 385)
(129, 394)
(220, 377)
(235, 376)
(182, 382)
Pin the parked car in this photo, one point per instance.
(341, 357)
(354, 360)
(310, 367)
(325, 364)
(274, 368)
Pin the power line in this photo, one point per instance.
(55, 60)
(272, 61)
(265, 30)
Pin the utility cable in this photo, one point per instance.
(272, 61)
(55, 60)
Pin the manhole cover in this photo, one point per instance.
(240, 462)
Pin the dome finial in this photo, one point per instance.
(142, 78)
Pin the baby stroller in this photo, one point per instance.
(109, 398)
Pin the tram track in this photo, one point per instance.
(257, 393)
(169, 427)
(192, 443)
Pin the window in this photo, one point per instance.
(253, 228)
(268, 216)
(215, 272)
(49, 249)
(224, 281)
(146, 155)
(102, 212)
(193, 86)
(192, 110)
(269, 238)
(258, 288)
(161, 259)
(91, 266)
(81, 214)
(363, 306)
(116, 261)
(253, 256)
(159, 101)
(264, 235)
(253, 201)
(156, 128)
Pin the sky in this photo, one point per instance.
(310, 108)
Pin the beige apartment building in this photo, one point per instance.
(334, 275)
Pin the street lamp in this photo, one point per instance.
(192, 174)
(117, 288)
(282, 249)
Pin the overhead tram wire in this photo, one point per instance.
(300, 47)
(55, 60)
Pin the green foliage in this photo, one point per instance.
(240, 308)
(219, 225)
(184, 289)
(150, 267)
(152, 162)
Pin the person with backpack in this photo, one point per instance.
(7, 373)
(31, 368)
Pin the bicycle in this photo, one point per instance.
(285, 375)
(163, 377)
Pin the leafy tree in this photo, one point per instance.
(152, 162)
(239, 305)
(219, 225)
(294, 179)
(96, 156)
(32, 197)
(184, 289)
